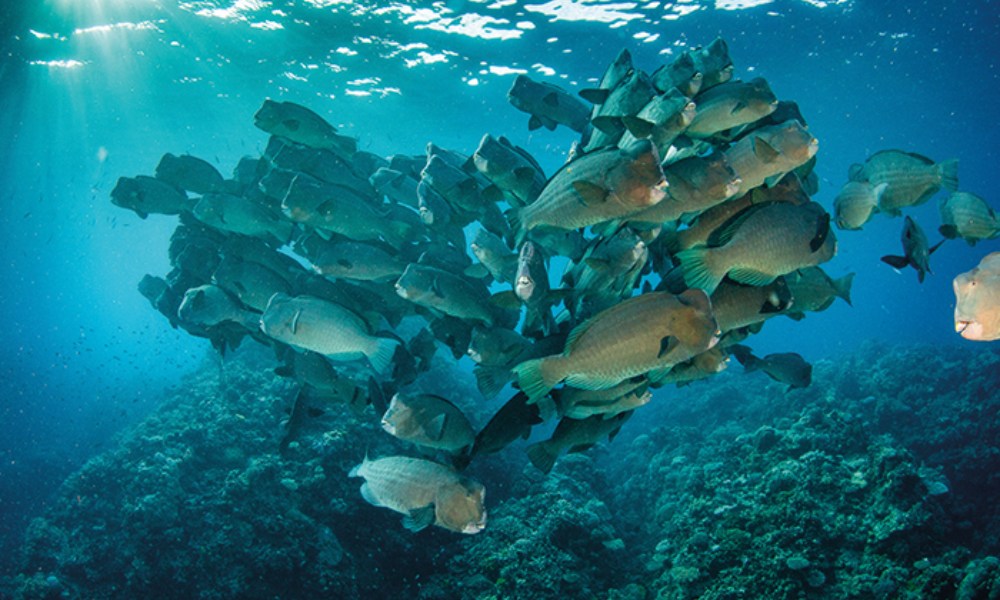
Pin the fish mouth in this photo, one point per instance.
(386, 425)
(475, 526)
(970, 330)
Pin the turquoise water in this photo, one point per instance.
(100, 89)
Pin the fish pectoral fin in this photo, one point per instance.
(948, 231)
(595, 95)
(295, 321)
(343, 262)
(608, 125)
(590, 193)
(507, 300)
(369, 495)
(580, 448)
(551, 99)
(667, 344)
(436, 427)
(436, 288)
(741, 105)
(524, 175)
(419, 518)
(822, 231)
(291, 124)
(765, 151)
(639, 128)
(600, 265)
(477, 271)
(933, 248)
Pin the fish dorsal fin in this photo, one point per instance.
(575, 334)
(725, 232)
(436, 427)
(764, 151)
(419, 518)
(295, 321)
(525, 175)
(595, 95)
(589, 193)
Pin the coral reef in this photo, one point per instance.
(875, 482)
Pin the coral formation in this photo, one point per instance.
(875, 482)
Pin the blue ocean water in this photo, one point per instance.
(99, 89)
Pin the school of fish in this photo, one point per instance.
(683, 216)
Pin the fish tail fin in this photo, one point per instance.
(538, 376)
(490, 380)
(842, 287)
(949, 174)
(699, 270)
(542, 456)
(381, 355)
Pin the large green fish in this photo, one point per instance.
(643, 333)
(760, 244)
(302, 126)
(574, 435)
(967, 216)
(429, 421)
(856, 203)
(911, 178)
(425, 492)
(309, 323)
(730, 105)
(148, 195)
(596, 187)
(765, 155)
